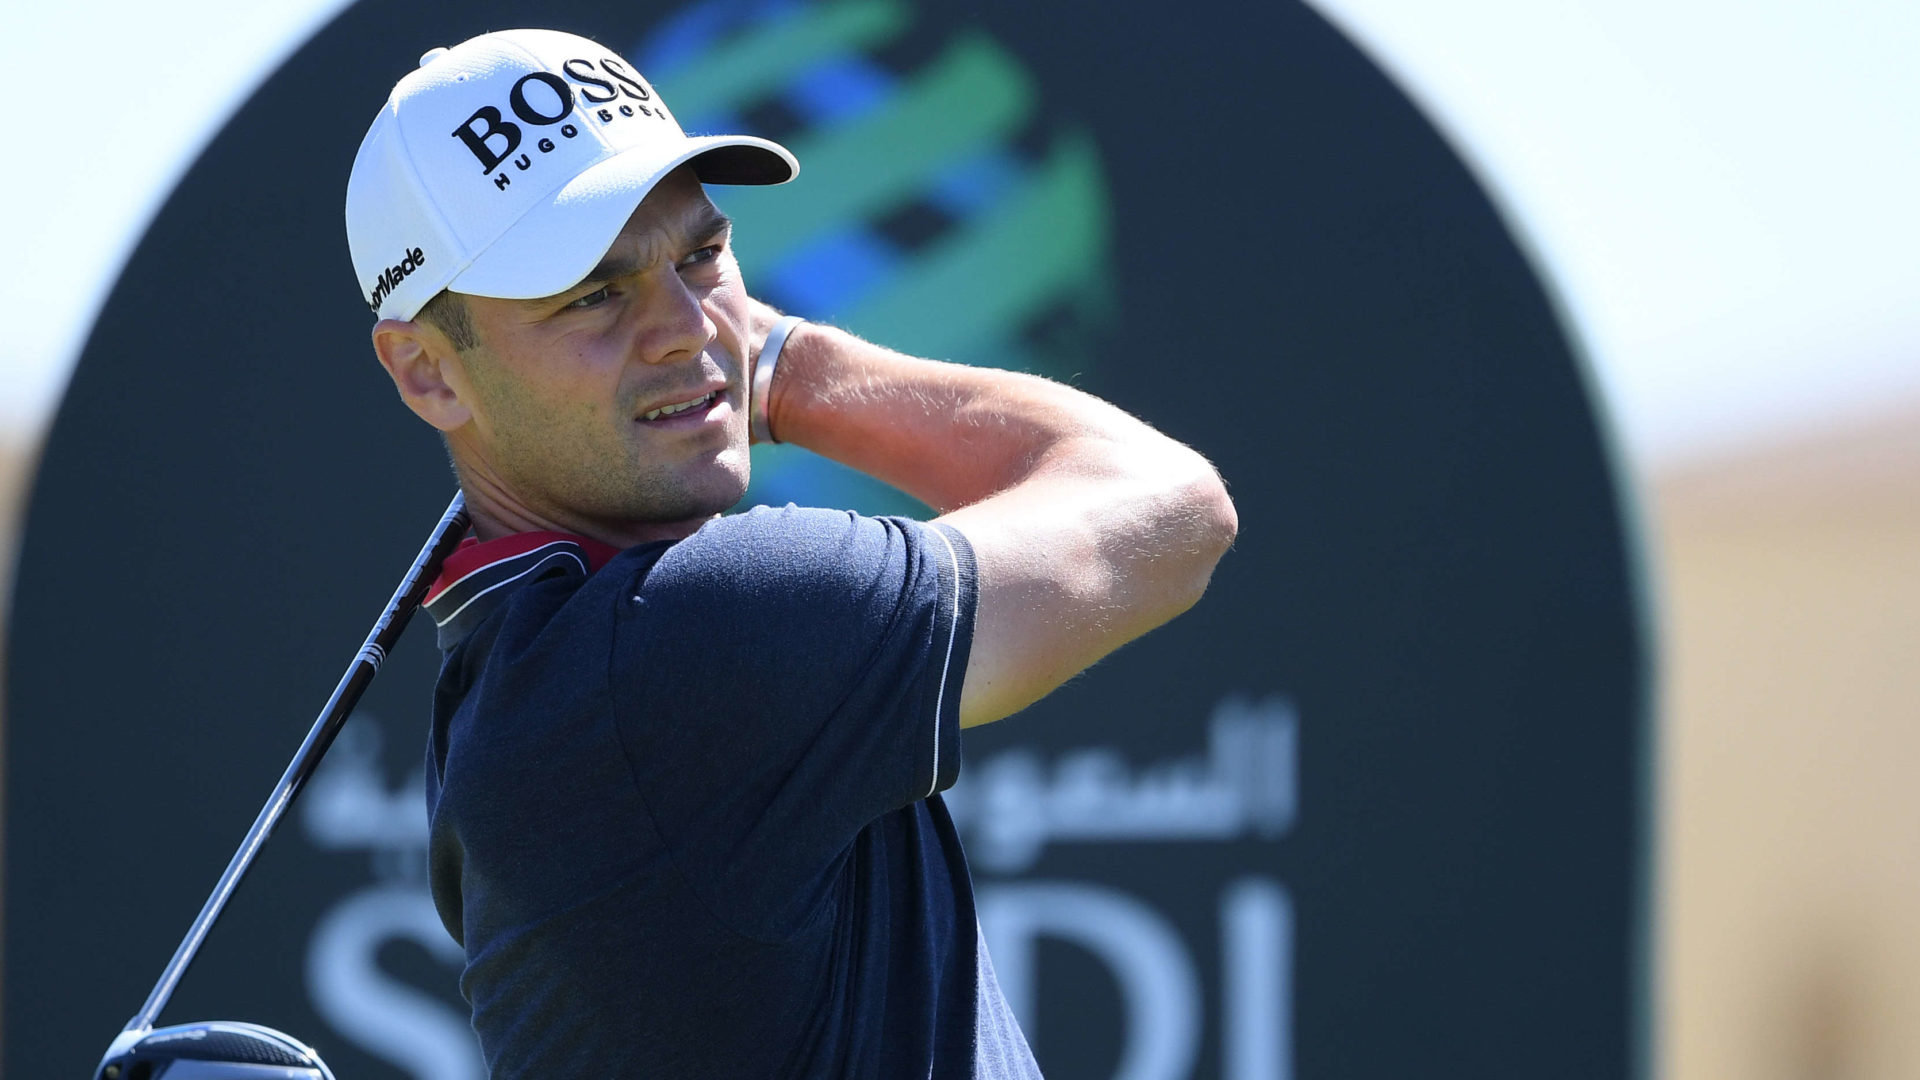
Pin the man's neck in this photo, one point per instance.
(491, 525)
(496, 513)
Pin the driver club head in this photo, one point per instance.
(231, 1049)
(210, 1050)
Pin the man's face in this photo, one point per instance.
(569, 395)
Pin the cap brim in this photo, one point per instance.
(561, 239)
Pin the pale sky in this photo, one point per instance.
(1721, 192)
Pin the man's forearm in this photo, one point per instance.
(1089, 528)
(949, 434)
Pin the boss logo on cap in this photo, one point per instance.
(392, 276)
(493, 138)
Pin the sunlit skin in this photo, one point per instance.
(1088, 527)
(544, 416)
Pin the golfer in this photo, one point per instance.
(684, 769)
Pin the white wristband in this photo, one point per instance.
(763, 378)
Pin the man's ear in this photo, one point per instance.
(417, 355)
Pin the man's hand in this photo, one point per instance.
(1089, 528)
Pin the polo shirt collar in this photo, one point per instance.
(480, 575)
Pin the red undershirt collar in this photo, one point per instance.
(475, 554)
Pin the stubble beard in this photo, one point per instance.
(623, 488)
(570, 467)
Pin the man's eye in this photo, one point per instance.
(592, 299)
(704, 255)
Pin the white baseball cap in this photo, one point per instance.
(506, 166)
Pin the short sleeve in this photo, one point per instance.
(782, 679)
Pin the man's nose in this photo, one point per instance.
(674, 324)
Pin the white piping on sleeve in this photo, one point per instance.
(953, 631)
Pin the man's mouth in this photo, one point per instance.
(700, 404)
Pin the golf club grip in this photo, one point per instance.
(366, 664)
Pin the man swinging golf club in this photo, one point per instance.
(684, 769)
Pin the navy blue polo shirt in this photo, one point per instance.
(684, 803)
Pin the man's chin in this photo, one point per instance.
(715, 492)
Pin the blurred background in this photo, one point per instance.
(1719, 196)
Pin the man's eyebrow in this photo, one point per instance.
(613, 266)
(709, 224)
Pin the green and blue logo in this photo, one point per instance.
(939, 209)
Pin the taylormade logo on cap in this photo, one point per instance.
(506, 165)
(391, 277)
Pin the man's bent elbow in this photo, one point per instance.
(1223, 521)
(1222, 524)
(1212, 525)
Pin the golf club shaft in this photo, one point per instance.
(413, 589)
